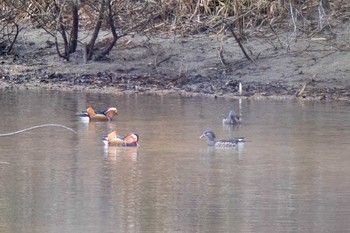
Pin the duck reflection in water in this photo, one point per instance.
(212, 151)
(117, 153)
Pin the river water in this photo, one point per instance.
(292, 175)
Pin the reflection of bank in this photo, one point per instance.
(117, 153)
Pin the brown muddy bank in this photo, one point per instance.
(316, 68)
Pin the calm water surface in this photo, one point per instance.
(291, 176)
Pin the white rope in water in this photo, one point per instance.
(35, 127)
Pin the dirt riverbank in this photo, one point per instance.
(315, 67)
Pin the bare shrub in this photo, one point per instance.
(9, 28)
(64, 18)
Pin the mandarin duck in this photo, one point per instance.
(220, 143)
(113, 139)
(231, 119)
(105, 115)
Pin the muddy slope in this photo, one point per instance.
(310, 68)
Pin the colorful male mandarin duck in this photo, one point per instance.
(220, 143)
(231, 119)
(113, 139)
(106, 115)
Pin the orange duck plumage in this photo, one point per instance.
(106, 115)
(113, 139)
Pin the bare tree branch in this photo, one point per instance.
(230, 27)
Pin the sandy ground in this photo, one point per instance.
(191, 65)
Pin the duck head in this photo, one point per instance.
(111, 112)
(131, 139)
(208, 134)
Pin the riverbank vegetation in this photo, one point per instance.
(65, 18)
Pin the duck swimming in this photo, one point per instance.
(220, 143)
(231, 119)
(105, 115)
(113, 139)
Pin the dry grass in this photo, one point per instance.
(183, 16)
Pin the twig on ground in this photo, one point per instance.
(277, 37)
(294, 18)
(229, 26)
(164, 60)
(303, 87)
(301, 91)
(220, 55)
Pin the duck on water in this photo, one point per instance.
(212, 141)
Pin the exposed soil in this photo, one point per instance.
(315, 67)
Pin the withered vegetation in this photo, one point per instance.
(63, 19)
